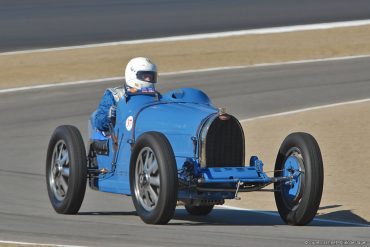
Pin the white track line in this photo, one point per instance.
(35, 244)
(277, 214)
(62, 84)
(71, 83)
(306, 109)
(206, 36)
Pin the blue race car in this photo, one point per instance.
(177, 148)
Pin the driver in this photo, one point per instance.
(140, 76)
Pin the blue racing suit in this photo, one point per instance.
(108, 104)
(107, 108)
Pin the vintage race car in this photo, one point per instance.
(177, 148)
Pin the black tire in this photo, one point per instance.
(303, 151)
(160, 208)
(72, 169)
(199, 210)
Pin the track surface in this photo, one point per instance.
(42, 23)
(28, 119)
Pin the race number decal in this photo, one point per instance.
(129, 122)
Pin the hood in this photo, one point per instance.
(173, 118)
(177, 114)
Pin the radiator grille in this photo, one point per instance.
(224, 143)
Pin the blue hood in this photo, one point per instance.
(173, 118)
(177, 114)
(179, 122)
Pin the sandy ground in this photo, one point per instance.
(93, 63)
(343, 134)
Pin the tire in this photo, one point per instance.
(153, 187)
(66, 170)
(298, 203)
(199, 210)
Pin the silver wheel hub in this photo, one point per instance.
(147, 179)
(59, 171)
(144, 179)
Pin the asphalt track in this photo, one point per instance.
(34, 24)
(29, 117)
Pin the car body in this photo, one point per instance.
(185, 117)
(179, 147)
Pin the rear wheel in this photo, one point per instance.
(153, 178)
(66, 170)
(199, 210)
(298, 200)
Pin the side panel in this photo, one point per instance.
(119, 180)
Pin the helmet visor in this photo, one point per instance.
(147, 76)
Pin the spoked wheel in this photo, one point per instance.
(199, 210)
(153, 179)
(66, 170)
(147, 181)
(298, 200)
(59, 172)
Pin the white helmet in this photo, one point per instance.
(141, 73)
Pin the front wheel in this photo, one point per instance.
(153, 178)
(66, 170)
(298, 200)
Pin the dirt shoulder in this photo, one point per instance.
(343, 134)
(92, 63)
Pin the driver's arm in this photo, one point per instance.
(104, 111)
